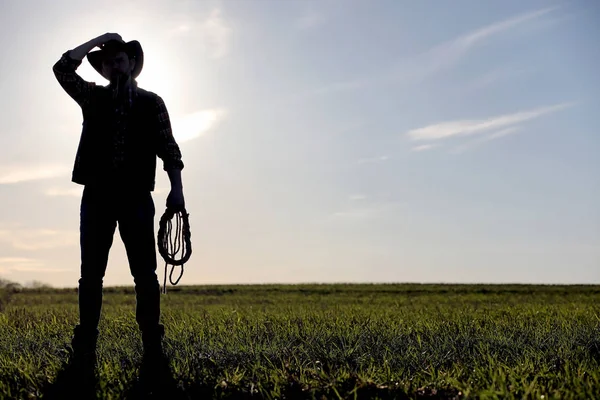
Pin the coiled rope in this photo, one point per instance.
(169, 246)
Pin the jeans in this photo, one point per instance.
(133, 210)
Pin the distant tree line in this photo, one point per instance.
(34, 284)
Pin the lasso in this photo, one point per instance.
(169, 246)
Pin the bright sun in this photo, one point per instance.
(156, 78)
(160, 76)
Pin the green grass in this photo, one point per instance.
(324, 341)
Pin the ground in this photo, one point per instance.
(316, 341)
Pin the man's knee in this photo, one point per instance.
(91, 282)
(146, 280)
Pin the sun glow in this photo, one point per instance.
(157, 76)
(190, 126)
(162, 76)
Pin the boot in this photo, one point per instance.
(84, 342)
(83, 355)
(155, 364)
(152, 340)
(77, 377)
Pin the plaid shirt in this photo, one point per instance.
(83, 93)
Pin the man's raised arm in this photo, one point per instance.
(168, 150)
(64, 69)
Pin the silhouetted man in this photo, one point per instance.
(124, 129)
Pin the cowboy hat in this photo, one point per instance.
(133, 50)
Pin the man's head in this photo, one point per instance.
(118, 59)
(117, 62)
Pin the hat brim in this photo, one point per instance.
(134, 50)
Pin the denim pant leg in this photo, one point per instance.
(97, 227)
(136, 226)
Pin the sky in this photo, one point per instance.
(326, 141)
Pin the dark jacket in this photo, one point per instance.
(120, 140)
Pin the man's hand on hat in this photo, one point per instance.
(80, 51)
(107, 37)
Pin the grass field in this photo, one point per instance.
(322, 341)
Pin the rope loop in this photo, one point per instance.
(169, 247)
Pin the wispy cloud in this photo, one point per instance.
(18, 260)
(24, 268)
(449, 129)
(216, 34)
(181, 29)
(193, 125)
(9, 265)
(473, 38)
(445, 55)
(496, 75)
(502, 133)
(423, 147)
(476, 142)
(213, 34)
(310, 20)
(68, 192)
(374, 160)
(449, 53)
(24, 173)
(38, 239)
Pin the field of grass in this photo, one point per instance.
(321, 341)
